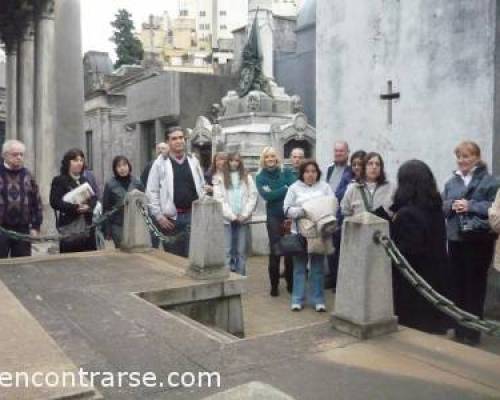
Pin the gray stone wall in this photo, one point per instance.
(105, 117)
(153, 98)
(439, 54)
(198, 93)
(296, 72)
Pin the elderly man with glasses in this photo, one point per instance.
(20, 203)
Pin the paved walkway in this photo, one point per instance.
(265, 314)
(88, 304)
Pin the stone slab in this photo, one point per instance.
(26, 348)
(251, 391)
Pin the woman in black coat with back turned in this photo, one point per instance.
(419, 231)
(71, 177)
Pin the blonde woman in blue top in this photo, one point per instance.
(272, 183)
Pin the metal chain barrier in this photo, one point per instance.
(440, 302)
(57, 237)
(153, 229)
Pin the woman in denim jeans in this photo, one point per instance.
(306, 188)
(238, 196)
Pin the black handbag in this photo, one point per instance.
(473, 228)
(292, 244)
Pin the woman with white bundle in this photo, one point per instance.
(312, 206)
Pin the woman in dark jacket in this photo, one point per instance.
(419, 231)
(470, 192)
(115, 191)
(71, 177)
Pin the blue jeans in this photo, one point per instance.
(180, 246)
(236, 237)
(315, 280)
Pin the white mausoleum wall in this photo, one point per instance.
(439, 55)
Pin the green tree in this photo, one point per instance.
(128, 48)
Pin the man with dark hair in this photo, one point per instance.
(20, 203)
(175, 181)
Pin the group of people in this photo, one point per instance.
(434, 231)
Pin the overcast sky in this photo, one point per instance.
(98, 14)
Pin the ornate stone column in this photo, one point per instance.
(26, 92)
(11, 128)
(45, 96)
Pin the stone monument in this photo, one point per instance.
(257, 114)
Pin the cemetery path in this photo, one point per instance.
(88, 304)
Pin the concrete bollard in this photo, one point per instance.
(364, 303)
(136, 237)
(206, 246)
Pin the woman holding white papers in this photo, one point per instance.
(73, 200)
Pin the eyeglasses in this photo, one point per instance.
(17, 154)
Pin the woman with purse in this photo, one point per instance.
(371, 192)
(238, 196)
(307, 188)
(73, 219)
(115, 192)
(467, 196)
(272, 183)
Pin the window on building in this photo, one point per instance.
(203, 13)
(89, 149)
(223, 13)
(223, 27)
(183, 13)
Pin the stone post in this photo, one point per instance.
(26, 93)
(364, 303)
(136, 236)
(45, 98)
(206, 246)
(11, 50)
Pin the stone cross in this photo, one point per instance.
(390, 96)
(364, 303)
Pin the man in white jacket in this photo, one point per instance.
(175, 181)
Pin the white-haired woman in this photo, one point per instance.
(272, 183)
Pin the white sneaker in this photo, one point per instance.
(320, 308)
(296, 307)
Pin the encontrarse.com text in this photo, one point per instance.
(129, 379)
